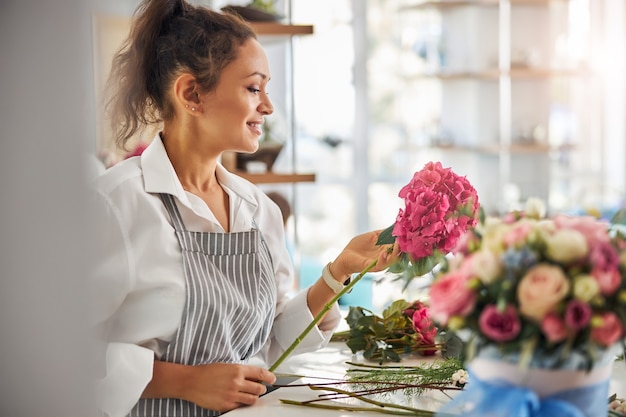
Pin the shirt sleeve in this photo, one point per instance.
(126, 367)
(128, 371)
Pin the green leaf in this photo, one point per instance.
(453, 346)
(397, 306)
(426, 265)
(385, 237)
(365, 323)
(354, 315)
(370, 351)
(391, 355)
(379, 329)
(619, 217)
(356, 344)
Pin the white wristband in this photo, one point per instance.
(328, 278)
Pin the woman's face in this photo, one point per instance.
(234, 112)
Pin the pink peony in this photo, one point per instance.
(439, 207)
(499, 326)
(540, 291)
(577, 314)
(451, 296)
(553, 327)
(609, 332)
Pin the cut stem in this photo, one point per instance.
(320, 315)
(346, 407)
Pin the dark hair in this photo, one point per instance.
(166, 38)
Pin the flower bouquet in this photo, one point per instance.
(403, 327)
(542, 305)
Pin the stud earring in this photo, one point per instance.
(186, 106)
(193, 109)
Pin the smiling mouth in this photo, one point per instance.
(256, 127)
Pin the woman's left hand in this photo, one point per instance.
(361, 251)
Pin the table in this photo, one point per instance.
(330, 362)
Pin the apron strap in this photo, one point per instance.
(172, 209)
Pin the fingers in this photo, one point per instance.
(222, 387)
(260, 374)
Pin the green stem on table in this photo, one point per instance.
(369, 400)
(319, 316)
(353, 408)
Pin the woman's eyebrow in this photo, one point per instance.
(260, 74)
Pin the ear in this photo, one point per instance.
(186, 94)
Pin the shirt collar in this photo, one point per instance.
(160, 177)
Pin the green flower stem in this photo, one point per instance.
(353, 408)
(319, 316)
(367, 400)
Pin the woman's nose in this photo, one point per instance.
(266, 105)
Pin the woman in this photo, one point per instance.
(194, 272)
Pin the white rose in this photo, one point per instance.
(493, 236)
(585, 287)
(566, 246)
(546, 225)
(535, 208)
(486, 266)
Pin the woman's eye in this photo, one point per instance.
(254, 90)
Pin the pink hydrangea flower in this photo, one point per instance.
(439, 207)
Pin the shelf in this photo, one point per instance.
(275, 178)
(514, 73)
(279, 29)
(442, 4)
(516, 149)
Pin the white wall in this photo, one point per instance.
(46, 124)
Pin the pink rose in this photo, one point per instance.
(608, 280)
(540, 291)
(499, 326)
(604, 256)
(517, 235)
(577, 314)
(421, 320)
(451, 296)
(609, 332)
(553, 327)
(593, 230)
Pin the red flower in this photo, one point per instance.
(500, 326)
(553, 327)
(439, 207)
(577, 314)
(609, 332)
(451, 296)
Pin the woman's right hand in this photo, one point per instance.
(217, 386)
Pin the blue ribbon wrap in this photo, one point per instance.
(499, 398)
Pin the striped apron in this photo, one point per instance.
(229, 309)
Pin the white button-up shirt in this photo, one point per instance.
(138, 283)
